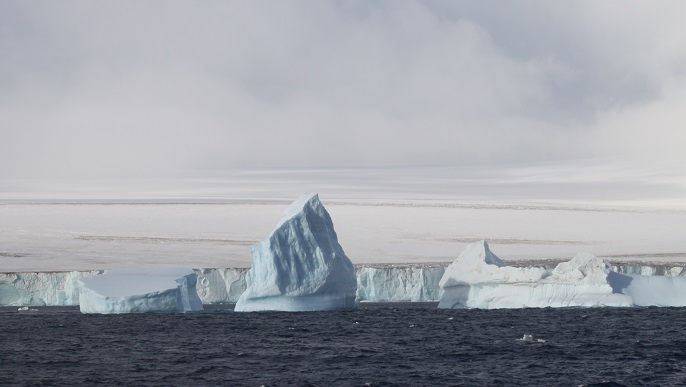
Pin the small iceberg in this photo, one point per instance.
(530, 339)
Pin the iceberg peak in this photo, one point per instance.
(584, 268)
(300, 266)
(306, 202)
(478, 264)
(479, 252)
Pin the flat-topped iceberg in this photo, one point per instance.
(300, 266)
(158, 290)
(479, 279)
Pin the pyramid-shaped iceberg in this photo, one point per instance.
(300, 266)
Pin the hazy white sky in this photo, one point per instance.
(105, 88)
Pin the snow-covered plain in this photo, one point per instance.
(51, 237)
(382, 217)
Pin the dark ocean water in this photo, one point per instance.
(377, 345)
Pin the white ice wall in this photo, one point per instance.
(42, 288)
(224, 285)
(652, 270)
(399, 283)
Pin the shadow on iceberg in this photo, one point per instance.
(300, 266)
(648, 290)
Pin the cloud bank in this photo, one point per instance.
(162, 88)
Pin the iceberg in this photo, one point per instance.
(479, 279)
(158, 290)
(300, 266)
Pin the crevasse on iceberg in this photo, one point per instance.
(158, 290)
(479, 279)
(300, 266)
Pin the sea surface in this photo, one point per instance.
(377, 345)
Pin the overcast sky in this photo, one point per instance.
(127, 88)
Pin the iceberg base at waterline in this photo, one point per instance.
(154, 290)
(535, 295)
(304, 303)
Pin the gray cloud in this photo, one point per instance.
(124, 88)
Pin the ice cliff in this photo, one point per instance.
(376, 283)
(300, 266)
(399, 283)
(646, 290)
(42, 288)
(479, 279)
(158, 290)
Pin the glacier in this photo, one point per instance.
(479, 279)
(376, 283)
(300, 266)
(155, 290)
